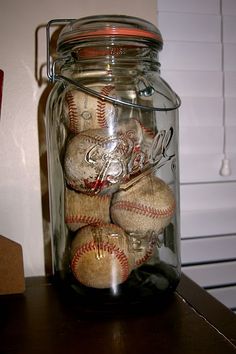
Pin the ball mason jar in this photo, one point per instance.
(112, 140)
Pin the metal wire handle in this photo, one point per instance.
(53, 77)
(113, 100)
(50, 66)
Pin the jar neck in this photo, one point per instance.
(110, 57)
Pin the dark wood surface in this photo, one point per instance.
(41, 321)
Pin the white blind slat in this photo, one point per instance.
(203, 111)
(208, 249)
(189, 27)
(229, 56)
(206, 140)
(195, 83)
(194, 56)
(204, 167)
(208, 222)
(229, 29)
(231, 139)
(208, 196)
(212, 274)
(230, 111)
(200, 6)
(226, 295)
(201, 140)
(229, 7)
(230, 83)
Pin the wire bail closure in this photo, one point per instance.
(52, 76)
(50, 65)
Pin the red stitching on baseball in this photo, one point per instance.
(72, 111)
(144, 210)
(103, 246)
(94, 139)
(145, 129)
(89, 220)
(101, 107)
(148, 254)
(121, 146)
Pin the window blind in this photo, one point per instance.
(192, 63)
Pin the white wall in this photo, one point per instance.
(22, 39)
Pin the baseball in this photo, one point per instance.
(83, 111)
(142, 144)
(147, 132)
(100, 257)
(148, 205)
(144, 246)
(95, 160)
(82, 209)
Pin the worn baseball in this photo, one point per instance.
(148, 133)
(141, 138)
(100, 256)
(148, 136)
(82, 209)
(144, 246)
(148, 205)
(95, 160)
(83, 111)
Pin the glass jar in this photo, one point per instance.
(112, 138)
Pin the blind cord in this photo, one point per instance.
(225, 169)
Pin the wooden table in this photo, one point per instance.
(41, 322)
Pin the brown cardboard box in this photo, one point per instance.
(11, 267)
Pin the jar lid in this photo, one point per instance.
(109, 26)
